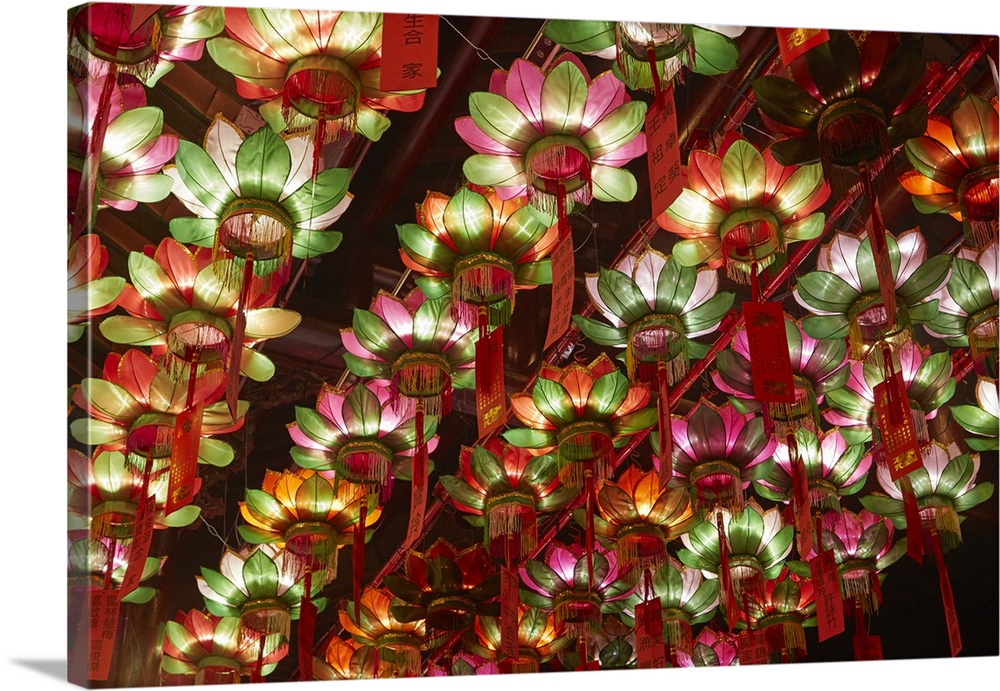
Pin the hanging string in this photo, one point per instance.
(483, 55)
(657, 87)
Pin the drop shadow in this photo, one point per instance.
(50, 668)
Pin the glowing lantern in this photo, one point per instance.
(539, 640)
(359, 435)
(638, 515)
(90, 558)
(505, 488)
(712, 648)
(318, 71)
(311, 516)
(565, 139)
(833, 469)
(649, 52)
(373, 625)
(818, 366)
(967, 306)
(789, 604)
(254, 586)
(944, 487)
(844, 298)
(209, 649)
(445, 586)
(983, 418)
(955, 163)
(584, 412)
(741, 208)
(718, 452)
(347, 659)
(90, 294)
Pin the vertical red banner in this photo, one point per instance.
(752, 648)
(139, 549)
(665, 454)
(103, 630)
(947, 599)
(728, 596)
(563, 277)
(914, 529)
(409, 52)
(800, 498)
(895, 427)
(184, 458)
(307, 632)
(650, 649)
(867, 647)
(829, 603)
(770, 365)
(794, 42)
(663, 153)
(508, 612)
(418, 497)
(491, 397)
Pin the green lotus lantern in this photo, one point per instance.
(584, 412)
(756, 546)
(983, 418)
(373, 626)
(90, 294)
(538, 638)
(656, 307)
(255, 201)
(254, 585)
(505, 488)
(788, 606)
(955, 167)
(967, 307)
(742, 208)
(944, 488)
(687, 599)
(479, 249)
(650, 52)
(844, 298)
(209, 649)
(833, 469)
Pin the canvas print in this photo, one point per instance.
(407, 345)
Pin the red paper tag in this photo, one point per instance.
(867, 647)
(139, 549)
(794, 42)
(509, 599)
(409, 52)
(770, 365)
(829, 603)
(883, 265)
(184, 458)
(947, 599)
(563, 277)
(663, 153)
(491, 397)
(418, 498)
(895, 427)
(752, 648)
(651, 651)
(103, 630)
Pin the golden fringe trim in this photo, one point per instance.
(523, 665)
(403, 660)
(859, 586)
(637, 552)
(980, 233)
(310, 552)
(945, 522)
(574, 473)
(487, 284)
(678, 635)
(322, 87)
(512, 522)
(786, 635)
(648, 347)
(264, 622)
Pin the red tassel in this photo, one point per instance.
(665, 428)
(307, 629)
(800, 498)
(359, 551)
(657, 87)
(86, 202)
(564, 228)
(255, 672)
(236, 345)
(914, 530)
(728, 596)
(591, 500)
(947, 598)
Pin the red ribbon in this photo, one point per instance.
(236, 344)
